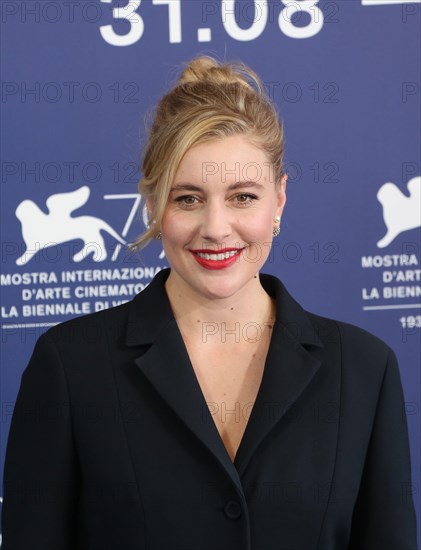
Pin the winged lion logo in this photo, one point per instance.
(41, 230)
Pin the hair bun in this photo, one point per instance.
(207, 69)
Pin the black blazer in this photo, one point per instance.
(113, 447)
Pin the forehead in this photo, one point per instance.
(227, 159)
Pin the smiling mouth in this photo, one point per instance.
(217, 256)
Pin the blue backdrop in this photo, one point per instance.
(77, 80)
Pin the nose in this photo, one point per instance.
(216, 222)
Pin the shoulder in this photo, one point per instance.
(335, 341)
(347, 335)
(359, 350)
(90, 329)
(135, 322)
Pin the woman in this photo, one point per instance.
(211, 412)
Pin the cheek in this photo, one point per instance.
(177, 231)
(262, 225)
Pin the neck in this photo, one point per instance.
(251, 309)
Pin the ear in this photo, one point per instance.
(281, 194)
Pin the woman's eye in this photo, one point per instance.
(190, 200)
(245, 198)
(187, 200)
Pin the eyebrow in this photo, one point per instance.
(233, 186)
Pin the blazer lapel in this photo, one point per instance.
(288, 371)
(289, 368)
(167, 366)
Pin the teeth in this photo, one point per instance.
(218, 257)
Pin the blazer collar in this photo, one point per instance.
(289, 369)
(151, 310)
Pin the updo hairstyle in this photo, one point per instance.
(210, 100)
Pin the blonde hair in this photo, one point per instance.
(210, 100)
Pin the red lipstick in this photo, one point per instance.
(216, 264)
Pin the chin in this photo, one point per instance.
(221, 289)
